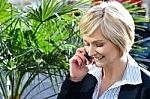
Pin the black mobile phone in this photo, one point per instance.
(88, 58)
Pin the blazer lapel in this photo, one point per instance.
(129, 91)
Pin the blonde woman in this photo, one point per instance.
(110, 73)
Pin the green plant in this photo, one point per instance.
(35, 46)
(138, 14)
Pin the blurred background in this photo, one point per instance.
(144, 3)
(37, 38)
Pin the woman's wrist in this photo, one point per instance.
(76, 79)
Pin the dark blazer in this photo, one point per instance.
(85, 88)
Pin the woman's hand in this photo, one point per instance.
(78, 68)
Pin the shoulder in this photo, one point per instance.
(145, 86)
(145, 74)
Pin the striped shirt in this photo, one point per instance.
(132, 75)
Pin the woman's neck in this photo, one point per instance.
(115, 71)
(112, 74)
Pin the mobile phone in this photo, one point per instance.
(88, 59)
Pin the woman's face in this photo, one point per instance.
(105, 53)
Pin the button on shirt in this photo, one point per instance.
(132, 75)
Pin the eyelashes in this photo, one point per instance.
(97, 44)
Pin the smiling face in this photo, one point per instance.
(115, 22)
(104, 52)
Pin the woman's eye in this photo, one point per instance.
(99, 45)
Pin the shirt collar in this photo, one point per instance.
(132, 74)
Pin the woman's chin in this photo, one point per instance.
(100, 65)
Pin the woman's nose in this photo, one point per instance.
(91, 51)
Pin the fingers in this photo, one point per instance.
(76, 59)
(79, 57)
(80, 53)
(81, 50)
(78, 69)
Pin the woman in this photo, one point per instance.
(108, 34)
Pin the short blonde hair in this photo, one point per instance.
(115, 22)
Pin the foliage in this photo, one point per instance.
(138, 14)
(36, 43)
(35, 46)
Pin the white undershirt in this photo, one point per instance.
(132, 75)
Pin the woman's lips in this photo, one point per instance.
(99, 58)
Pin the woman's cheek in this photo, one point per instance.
(100, 50)
(87, 48)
